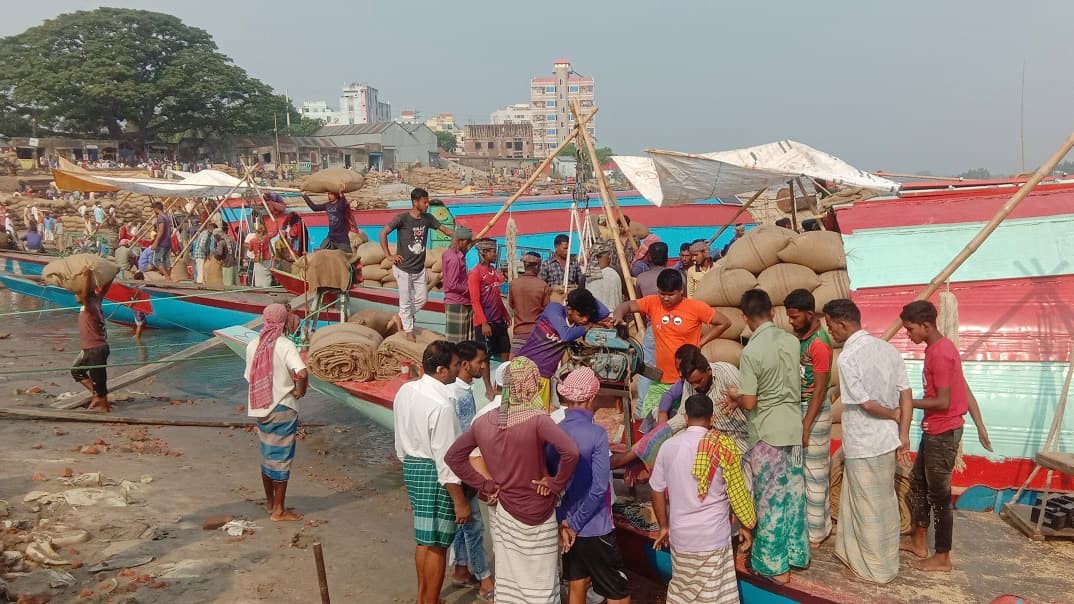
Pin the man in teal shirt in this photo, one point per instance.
(770, 394)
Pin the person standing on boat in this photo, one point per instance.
(458, 313)
(686, 258)
(340, 221)
(278, 378)
(877, 412)
(48, 225)
(224, 253)
(559, 264)
(770, 392)
(425, 426)
(587, 536)
(490, 314)
(816, 365)
(513, 439)
(259, 247)
(162, 240)
(608, 284)
(700, 471)
(200, 250)
(740, 232)
(469, 542)
(645, 285)
(527, 296)
(408, 264)
(702, 264)
(90, 370)
(947, 399)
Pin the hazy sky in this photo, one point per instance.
(897, 86)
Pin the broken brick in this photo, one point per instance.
(216, 521)
(89, 450)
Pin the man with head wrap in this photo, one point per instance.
(512, 441)
(278, 378)
(528, 296)
(587, 537)
(702, 264)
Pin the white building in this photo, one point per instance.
(550, 101)
(359, 104)
(409, 116)
(519, 113)
(319, 110)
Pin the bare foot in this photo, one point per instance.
(934, 564)
(815, 544)
(286, 516)
(907, 544)
(102, 402)
(410, 336)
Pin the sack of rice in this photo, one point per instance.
(782, 279)
(214, 272)
(181, 270)
(333, 180)
(433, 279)
(779, 319)
(821, 251)
(834, 285)
(69, 272)
(153, 276)
(721, 350)
(638, 230)
(387, 264)
(370, 253)
(374, 272)
(738, 321)
(758, 249)
(722, 286)
(433, 255)
(379, 321)
(389, 282)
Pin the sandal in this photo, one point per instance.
(489, 596)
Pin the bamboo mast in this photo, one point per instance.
(533, 177)
(740, 211)
(989, 228)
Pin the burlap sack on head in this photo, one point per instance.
(214, 272)
(374, 272)
(834, 285)
(344, 352)
(377, 320)
(720, 350)
(722, 286)
(396, 348)
(324, 268)
(333, 180)
(738, 322)
(637, 230)
(67, 272)
(821, 251)
(782, 279)
(758, 249)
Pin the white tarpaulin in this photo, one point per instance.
(670, 179)
(206, 183)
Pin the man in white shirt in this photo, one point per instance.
(877, 411)
(278, 378)
(606, 286)
(426, 426)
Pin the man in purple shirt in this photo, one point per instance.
(458, 314)
(557, 327)
(587, 537)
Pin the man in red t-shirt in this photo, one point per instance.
(676, 321)
(947, 398)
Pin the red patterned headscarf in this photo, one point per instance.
(275, 316)
(521, 394)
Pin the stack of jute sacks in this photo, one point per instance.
(376, 267)
(778, 261)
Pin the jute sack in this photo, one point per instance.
(214, 272)
(387, 264)
(721, 286)
(738, 322)
(433, 256)
(153, 276)
(333, 180)
(374, 272)
(379, 321)
(758, 249)
(67, 272)
(637, 230)
(433, 278)
(834, 285)
(370, 253)
(181, 270)
(782, 279)
(779, 319)
(324, 268)
(821, 251)
(720, 350)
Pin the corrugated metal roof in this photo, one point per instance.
(353, 129)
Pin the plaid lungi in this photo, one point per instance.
(434, 511)
(276, 431)
(458, 322)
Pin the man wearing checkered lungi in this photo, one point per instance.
(458, 314)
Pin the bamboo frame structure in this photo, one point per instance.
(740, 212)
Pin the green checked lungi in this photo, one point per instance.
(434, 511)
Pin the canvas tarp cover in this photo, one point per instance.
(206, 183)
(670, 179)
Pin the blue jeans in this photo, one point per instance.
(469, 543)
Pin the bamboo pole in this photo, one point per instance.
(989, 228)
(264, 204)
(740, 211)
(794, 206)
(533, 177)
(605, 196)
(920, 177)
(816, 200)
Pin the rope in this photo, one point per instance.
(111, 303)
(133, 364)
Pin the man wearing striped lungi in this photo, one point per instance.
(816, 361)
(278, 378)
(425, 426)
(699, 469)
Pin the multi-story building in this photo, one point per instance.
(319, 110)
(550, 106)
(499, 140)
(445, 122)
(359, 105)
(409, 116)
(519, 113)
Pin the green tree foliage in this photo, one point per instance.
(976, 174)
(305, 126)
(137, 74)
(446, 141)
(603, 153)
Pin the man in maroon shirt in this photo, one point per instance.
(528, 296)
(947, 398)
(512, 441)
(458, 314)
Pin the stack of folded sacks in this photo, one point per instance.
(344, 352)
(397, 348)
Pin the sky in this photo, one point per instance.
(898, 86)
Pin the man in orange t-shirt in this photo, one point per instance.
(676, 321)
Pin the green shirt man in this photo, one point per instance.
(769, 369)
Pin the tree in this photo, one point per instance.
(976, 174)
(446, 141)
(138, 74)
(306, 126)
(603, 153)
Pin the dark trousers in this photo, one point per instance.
(930, 485)
(93, 358)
